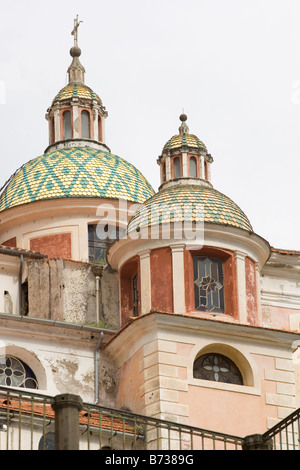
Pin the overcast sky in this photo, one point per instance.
(232, 65)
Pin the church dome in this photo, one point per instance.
(180, 140)
(76, 90)
(184, 138)
(189, 204)
(75, 172)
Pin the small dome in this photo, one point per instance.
(73, 90)
(189, 204)
(180, 140)
(75, 172)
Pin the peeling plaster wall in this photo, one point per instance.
(65, 290)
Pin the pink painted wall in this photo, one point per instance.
(231, 412)
(278, 317)
(130, 383)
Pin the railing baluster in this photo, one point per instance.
(31, 424)
(20, 421)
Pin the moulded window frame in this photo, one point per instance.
(248, 369)
(128, 271)
(212, 259)
(229, 273)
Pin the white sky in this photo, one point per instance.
(233, 65)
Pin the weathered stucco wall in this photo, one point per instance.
(65, 290)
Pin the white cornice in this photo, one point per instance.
(150, 326)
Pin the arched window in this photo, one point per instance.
(177, 167)
(47, 442)
(208, 284)
(193, 167)
(15, 373)
(217, 368)
(67, 125)
(85, 124)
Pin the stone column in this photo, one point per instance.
(168, 168)
(145, 273)
(66, 408)
(76, 122)
(256, 442)
(57, 135)
(185, 169)
(202, 167)
(178, 278)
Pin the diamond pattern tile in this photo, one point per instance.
(189, 203)
(75, 172)
(184, 139)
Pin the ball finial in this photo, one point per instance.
(75, 51)
(183, 117)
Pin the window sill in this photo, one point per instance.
(224, 386)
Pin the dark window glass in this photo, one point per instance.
(217, 368)
(67, 125)
(208, 284)
(85, 125)
(193, 167)
(177, 168)
(47, 442)
(15, 373)
(100, 239)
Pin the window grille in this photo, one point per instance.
(217, 368)
(15, 373)
(208, 284)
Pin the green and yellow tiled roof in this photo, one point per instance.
(76, 90)
(189, 204)
(75, 172)
(179, 140)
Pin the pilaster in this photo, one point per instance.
(178, 278)
(145, 274)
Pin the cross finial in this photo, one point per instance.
(74, 32)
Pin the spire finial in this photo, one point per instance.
(183, 129)
(76, 70)
(75, 32)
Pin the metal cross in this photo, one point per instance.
(74, 32)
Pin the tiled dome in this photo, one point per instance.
(75, 172)
(180, 140)
(190, 204)
(76, 90)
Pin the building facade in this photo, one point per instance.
(165, 303)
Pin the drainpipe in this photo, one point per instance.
(20, 285)
(98, 299)
(97, 366)
(97, 270)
